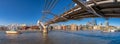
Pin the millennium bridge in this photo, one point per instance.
(89, 9)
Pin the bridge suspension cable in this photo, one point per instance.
(53, 5)
(44, 7)
(49, 5)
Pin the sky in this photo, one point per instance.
(19, 11)
(29, 12)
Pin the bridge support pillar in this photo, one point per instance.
(45, 30)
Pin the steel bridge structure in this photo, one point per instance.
(91, 9)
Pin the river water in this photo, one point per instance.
(61, 37)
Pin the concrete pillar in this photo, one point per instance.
(45, 30)
(42, 27)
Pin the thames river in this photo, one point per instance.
(61, 37)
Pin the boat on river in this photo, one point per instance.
(12, 32)
(13, 29)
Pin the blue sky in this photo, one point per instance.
(19, 11)
(29, 12)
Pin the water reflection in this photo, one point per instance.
(45, 38)
(12, 36)
(24, 38)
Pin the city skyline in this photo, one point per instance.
(112, 21)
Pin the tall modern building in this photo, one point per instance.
(94, 22)
(106, 23)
